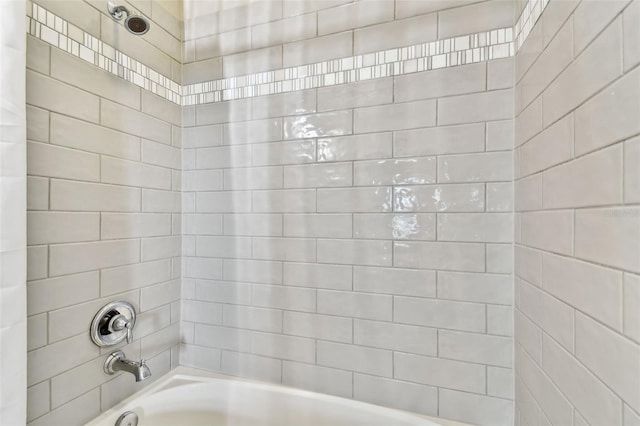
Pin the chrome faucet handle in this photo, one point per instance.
(119, 323)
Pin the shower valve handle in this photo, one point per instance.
(119, 323)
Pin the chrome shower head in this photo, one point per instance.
(135, 24)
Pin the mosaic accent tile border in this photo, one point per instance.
(61, 34)
(495, 44)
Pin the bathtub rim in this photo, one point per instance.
(183, 375)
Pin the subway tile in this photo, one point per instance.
(223, 44)
(471, 287)
(241, 224)
(549, 148)
(79, 257)
(485, 106)
(223, 292)
(356, 305)
(82, 409)
(412, 171)
(355, 358)
(296, 7)
(78, 72)
(443, 256)
(591, 18)
(356, 94)
(550, 314)
(247, 317)
(277, 153)
(439, 140)
(318, 175)
(500, 74)
(252, 61)
(130, 173)
(438, 83)
(161, 108)
(37, 124)
(72, 133)
(397, 337)
(612, 358)
(528, 193)
(53, 95)
(500, 135)
(56, 358)
(407, 282)
(440, 372)
(288, 249)
(551, 230)
(528, 122)
(418, 226)
(610, 115)
(161, 201)
(595, 179)
(205, 268)
(359, 252)
(356, 147)
(406, 8)
(283, 31)
(221, 157)
(284, 201)
(354, 200)
(594, 290)
(500, 320)
(222, 112)
(592, 398)
(200, 357)
(38, 55)
(529, 336)
(204, 70)
(37, 262)
(315, 326)
(439, 313)
(528, 265)
(500, 258)
(555, 58)
(395, 393)
(335, 123)
(596, 66)
(218, 246)
(201, 312)
(125, 278)
(283, 347)
(434, 198)
(223, 337)
(405, 32)
(252, 366)
(202, 136)
(318, 225)
(317, 49)
(335, 277)
(479, 348)
(133, 122)
(252, 131)
(353, 16)
(37, 331)
(253, 178)
(631, 48)
(224, 202)
(62, 227)
(401, 116)
(500, 197)
(609, 236)
(38, 400)
(555, 405)
(318, 379)
(280, 297)
(475, 227)
(479, 409)
(475, 18)
(161, 155)
(631, 309)
(284, 104)
(53, 293)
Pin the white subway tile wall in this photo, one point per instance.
(101, 213)
(577, 217)
(355, 235)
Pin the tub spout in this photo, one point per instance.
(117, 362)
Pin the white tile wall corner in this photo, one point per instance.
(104, 226)
(578, 252)
(13, 201)
(415, 57)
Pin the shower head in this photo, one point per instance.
(135, 24)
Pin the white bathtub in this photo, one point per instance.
(190, 397)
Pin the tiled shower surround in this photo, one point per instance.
(344, 230)
(577, 189)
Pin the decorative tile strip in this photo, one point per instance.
(495, 44)
(61, 34)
